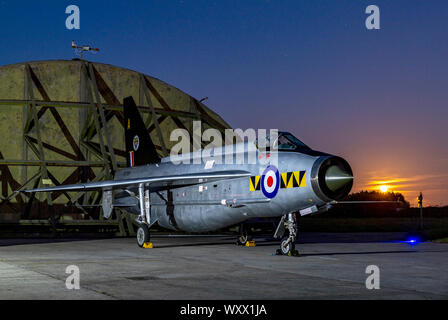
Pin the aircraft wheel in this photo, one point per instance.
(242, 239)
(286, 249)
(244, 235)
(142, 235)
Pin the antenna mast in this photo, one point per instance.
(81, 49)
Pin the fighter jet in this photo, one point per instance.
(208, 196)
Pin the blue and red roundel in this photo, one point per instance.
(270, 182)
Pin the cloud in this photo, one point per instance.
(434, 186)
(419, 178)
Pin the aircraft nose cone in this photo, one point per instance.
(331, 178)
(337, 178)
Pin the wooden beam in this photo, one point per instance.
(154, 116)
(102, 116)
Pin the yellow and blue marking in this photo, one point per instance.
(292, 179)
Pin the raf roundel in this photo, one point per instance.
(270, 182)
(136, 142)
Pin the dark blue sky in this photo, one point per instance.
(377, 98)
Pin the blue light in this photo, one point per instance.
(412, 241)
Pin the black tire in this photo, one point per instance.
(142, 235)
(242, 239)
(290, 249)
(244, 235)
(285, 249)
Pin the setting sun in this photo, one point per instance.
(384, 188)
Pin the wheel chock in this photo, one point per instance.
(148, 245)
(250, 243)
(293, 253)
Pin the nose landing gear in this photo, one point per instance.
(287, 226)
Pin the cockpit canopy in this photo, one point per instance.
(285, 142)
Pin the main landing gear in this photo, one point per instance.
(244, 236)
(143, 235)
(144, 219)
(287, 230)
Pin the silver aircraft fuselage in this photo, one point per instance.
(307, 182)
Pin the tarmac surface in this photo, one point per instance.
(331, 266)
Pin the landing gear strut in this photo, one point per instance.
(287, 226)
(144, 219)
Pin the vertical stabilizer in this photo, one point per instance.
(140, 149)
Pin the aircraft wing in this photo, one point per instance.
(366, 201)
(161, 182)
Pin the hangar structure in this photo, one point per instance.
(62, 122)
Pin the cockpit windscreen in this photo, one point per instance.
(287, 142)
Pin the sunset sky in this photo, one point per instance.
(378, 98)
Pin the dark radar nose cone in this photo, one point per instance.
(337, 178)
(331, 178)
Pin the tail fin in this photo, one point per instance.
(140, 149)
